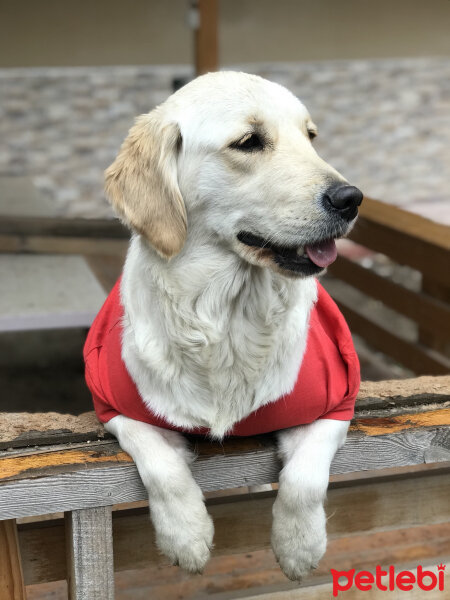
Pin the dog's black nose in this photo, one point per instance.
(344, 198)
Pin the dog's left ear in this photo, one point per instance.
(142, 185)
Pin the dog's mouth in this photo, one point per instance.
(306, 260)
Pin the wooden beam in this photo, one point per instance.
(242, 523)
(431, 314)
(405, 238)
(32, 429)
(414, 356)
(89, 554)
(19, 430)
(102, 474)
(206, 37)
(414, 226)
(441, 294)
(60, 459)
(63, 227)
(62, 245)
(11, 578)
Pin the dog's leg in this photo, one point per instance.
(299, 536)
(184, 529)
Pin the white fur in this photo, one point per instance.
(206, 348)
(217, 331)
(299, 522)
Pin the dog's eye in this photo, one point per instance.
(311, 134)
(249, 143)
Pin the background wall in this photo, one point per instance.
(118, 32)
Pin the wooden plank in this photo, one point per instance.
(398, 220)
(30, 429)
(23, 429)
(63, 227)
(439, 293)
(258, 572)
(431, 314)
(89, 554)
(37, 484)
(416, 357)
(374, 395)
(62, 245)
(23, 464)
(403, 248)
(378, 425)
(205, 37)
(11, 578)
(243, 522)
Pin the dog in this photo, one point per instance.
(233, 216)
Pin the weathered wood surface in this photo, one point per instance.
(61, 478)
(29, 429)
(24, 429)
(11, 578)
(103, 474)
(242, 523)
(89, 554)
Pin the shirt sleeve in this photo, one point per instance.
(104, 411)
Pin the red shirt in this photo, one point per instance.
(326, 386)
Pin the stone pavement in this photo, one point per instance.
(385, 124)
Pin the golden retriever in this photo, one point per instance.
(233, 214)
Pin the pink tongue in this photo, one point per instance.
(322, 254)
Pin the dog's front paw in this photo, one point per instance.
(299, 538)
(184, 532)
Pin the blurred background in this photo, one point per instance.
(375, 76)
(73, 76)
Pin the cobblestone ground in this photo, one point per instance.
(385, 124)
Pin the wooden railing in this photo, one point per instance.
(411, 240)
(392, 474)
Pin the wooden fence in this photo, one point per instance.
(411, 240)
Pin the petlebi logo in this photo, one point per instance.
(403, 580)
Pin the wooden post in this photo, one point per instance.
(89, 552)
(11, 577)
(206, 44)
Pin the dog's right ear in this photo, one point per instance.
(142, 186)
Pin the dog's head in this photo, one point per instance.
(232, 154)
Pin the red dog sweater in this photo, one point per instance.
(326, 386)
